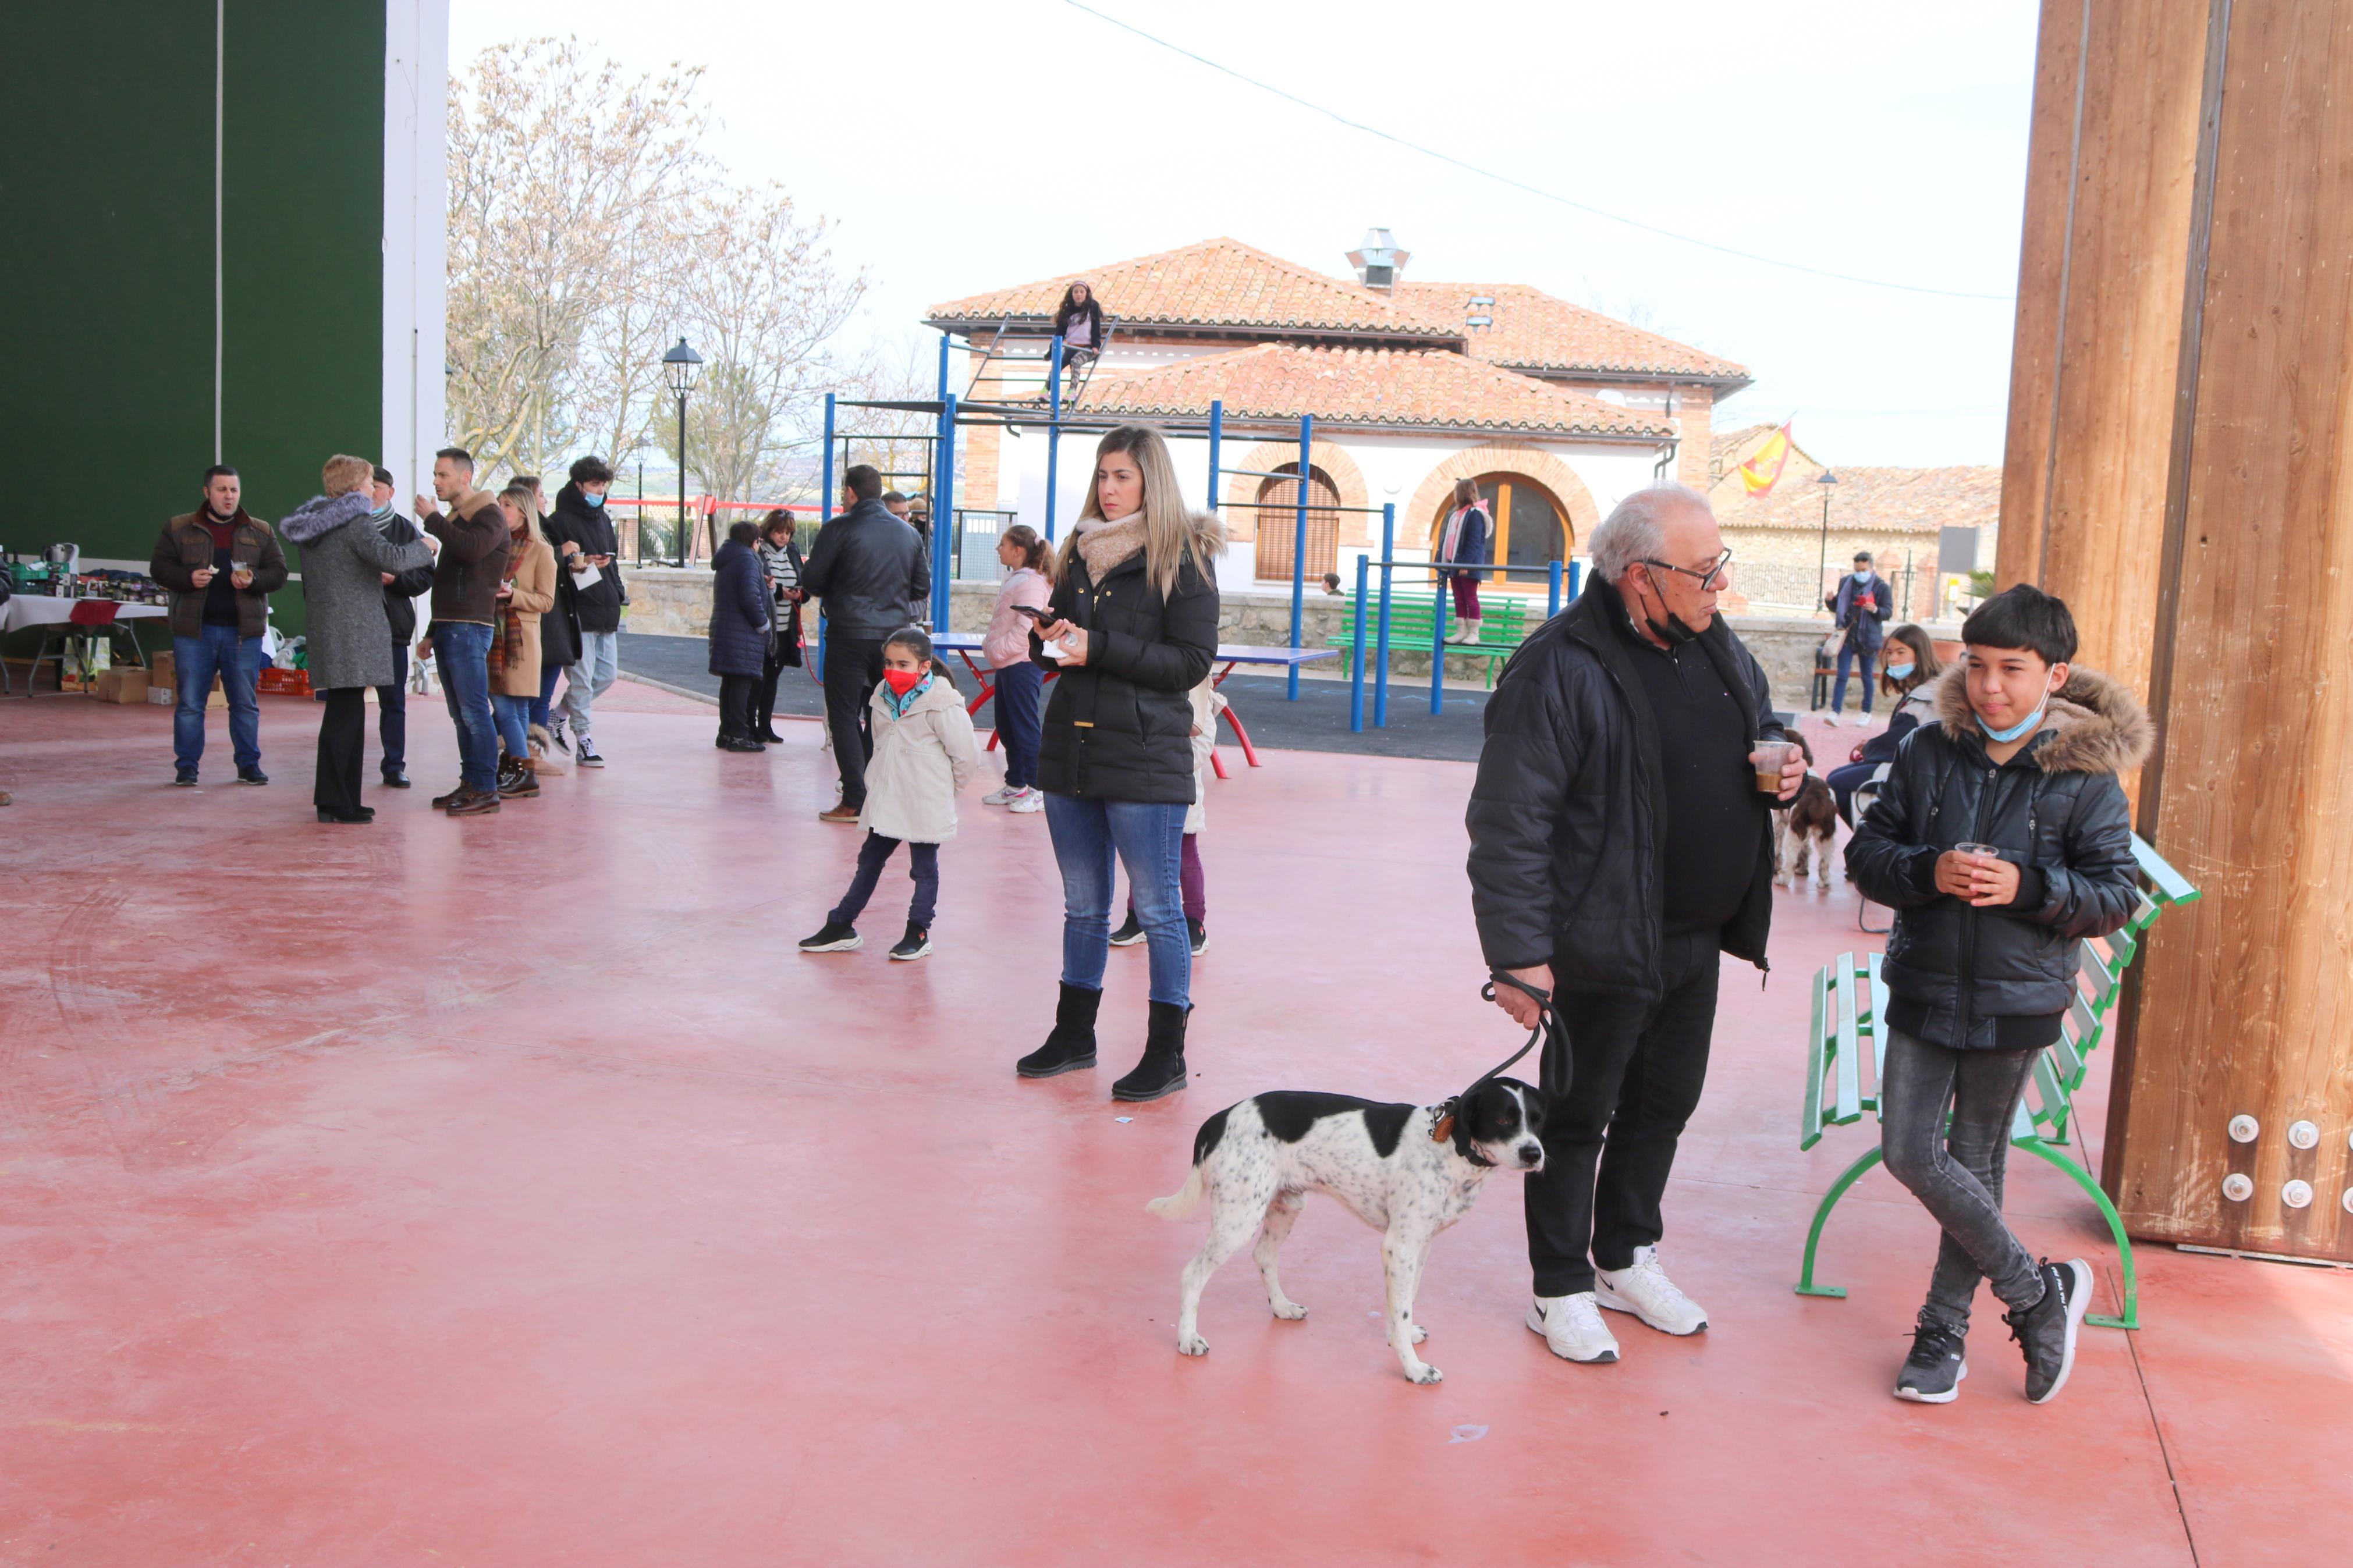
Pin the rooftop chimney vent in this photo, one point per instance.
(1378, 259)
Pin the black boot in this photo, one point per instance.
(1162, 1070)
(1073, 1043)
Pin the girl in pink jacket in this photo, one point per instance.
(1018, 681)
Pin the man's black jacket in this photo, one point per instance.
(870, 571)
(1568, 818)
(400, 594)
(2055, 810)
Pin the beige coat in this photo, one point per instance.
(535, 595)
(1208, 703)
(920, 762)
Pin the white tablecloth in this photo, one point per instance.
(41, 610)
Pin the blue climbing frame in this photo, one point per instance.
(1380, 661)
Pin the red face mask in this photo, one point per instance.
(901, 681)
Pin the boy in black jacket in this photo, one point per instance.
(2021, 767)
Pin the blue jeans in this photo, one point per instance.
(539, 704)
(514, 715)
(1848, 654)
(1149, 840)
(1017, 688)
(238, 661)
(462, 652)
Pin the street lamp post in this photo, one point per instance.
(1822, 570)
(680, 368)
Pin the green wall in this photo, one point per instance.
(106, 287)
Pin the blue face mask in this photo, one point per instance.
(592, 498)
(2024, 726)
(1900, 671)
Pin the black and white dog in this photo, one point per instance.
(1408, 1171)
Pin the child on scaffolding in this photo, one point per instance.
(924, 754)
(1465, 539)
(1208, 703)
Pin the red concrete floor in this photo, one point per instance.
(508, 1191)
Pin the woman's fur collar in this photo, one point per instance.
(1107, 546)
(323, 514)
(2092, 725)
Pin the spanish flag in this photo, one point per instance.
(1763, 468)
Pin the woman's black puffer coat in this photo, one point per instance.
(2055, 809)
(1120, 726)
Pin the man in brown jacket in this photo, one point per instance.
(221, 564)
(466, 579)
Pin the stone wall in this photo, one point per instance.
(665, 601)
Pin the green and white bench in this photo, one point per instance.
(1845, 1045)
(1413, 626)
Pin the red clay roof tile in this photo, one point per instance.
(1533, 330)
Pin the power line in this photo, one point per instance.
(1524, 185)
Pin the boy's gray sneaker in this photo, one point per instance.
(2046, 1331)
(1933, 1372)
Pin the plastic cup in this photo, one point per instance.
(1772, 756)
(1989, 851)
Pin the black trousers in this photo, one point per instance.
(736, 696)
(1623, 1076)
(392, 713)
(853, 667)
(764, 698)
(342, 744)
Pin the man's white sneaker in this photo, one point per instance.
(1029, 800)
(1004, 796)
(1831, 720)
(1643, 1288)
(1572, 1328)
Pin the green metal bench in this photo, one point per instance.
(1413, 627)
(1850, 1001)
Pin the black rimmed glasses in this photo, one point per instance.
(1708, 577)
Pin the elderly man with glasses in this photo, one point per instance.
(1619, 845)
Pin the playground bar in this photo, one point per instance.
(1380, 661)
(942, 506)
(1216, 432)
(1381, 681)
(1299, 553)
(1356, 656)
(824, 516)
(1054, 432)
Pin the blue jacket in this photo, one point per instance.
(740, 621)
(1478, 530)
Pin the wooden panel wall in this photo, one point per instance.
(2113, 160)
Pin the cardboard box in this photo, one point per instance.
(124, 684)
(163, 697)
(160, 671)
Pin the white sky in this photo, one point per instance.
(967, 146)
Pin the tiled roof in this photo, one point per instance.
(1532, 331)
(1413, 388)
(1895, 500)
(1219, 283)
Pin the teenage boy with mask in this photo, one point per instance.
(2001, 840)
(584, 537)
(1861, 608)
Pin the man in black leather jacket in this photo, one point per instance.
(400, 594)
(1619, 845)
(870, 571)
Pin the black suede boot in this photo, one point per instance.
(1162, 1070)
(1073, 1043)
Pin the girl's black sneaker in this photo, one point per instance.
(2046, 1331)
(1129, 934)
(1933, 1372)
(914, 944)
(1200, 935)
(836, 937)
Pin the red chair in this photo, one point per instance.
(87, 618)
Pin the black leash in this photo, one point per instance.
(1443, 1127)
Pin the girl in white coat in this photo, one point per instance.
(924, 754)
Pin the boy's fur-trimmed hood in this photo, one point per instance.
(2092, 725)
(324, 514)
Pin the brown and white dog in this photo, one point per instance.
(1408, 1171)
(1808, 826)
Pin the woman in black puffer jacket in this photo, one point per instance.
(1131, 628)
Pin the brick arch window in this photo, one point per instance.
(1532, 528)
(1277, 522)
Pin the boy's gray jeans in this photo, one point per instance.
(1956, 1173)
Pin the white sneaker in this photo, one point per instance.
(1643, 1288)
(1028, 800)
(1004, 796)
(1831, 720)
(1572, 1328)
